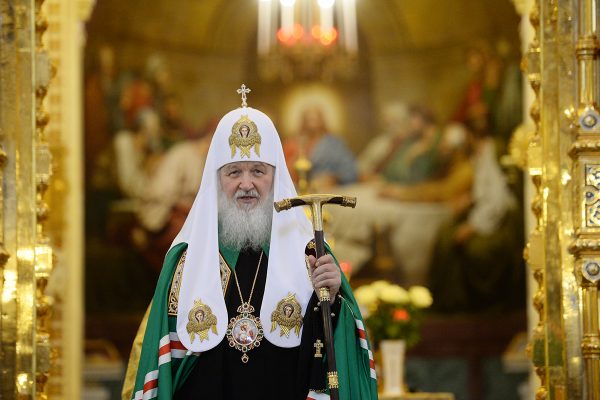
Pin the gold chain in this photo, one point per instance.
(253, 283)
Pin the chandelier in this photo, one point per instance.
(307, 39)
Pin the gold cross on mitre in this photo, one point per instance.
(244, 91)
(318, 345)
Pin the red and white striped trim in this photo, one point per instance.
(178, 350)
(164, 350)
(169, 347)
(372, 365)
(362, 337)
(362, 334)
(150, 389)
(312, 395)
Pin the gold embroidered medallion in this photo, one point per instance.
(200, 321)
(288, 315)
(244, 135)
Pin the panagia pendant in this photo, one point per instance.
(245, 331)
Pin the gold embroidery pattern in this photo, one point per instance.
(244, 135)
(288, 315)
(307, 267)
(225, 273)
(176, 286)
(200, 320)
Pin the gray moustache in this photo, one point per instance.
(251, 193)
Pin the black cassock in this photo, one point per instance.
(271, 372)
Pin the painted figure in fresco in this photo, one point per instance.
(395, 123)
(411, 156)
(168, 194)
(476, 263)
(452, 178)
(332, 161)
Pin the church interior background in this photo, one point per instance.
(108, 108)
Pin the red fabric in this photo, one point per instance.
(150, 385)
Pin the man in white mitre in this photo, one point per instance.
(243, 266)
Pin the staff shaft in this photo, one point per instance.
(325, 300)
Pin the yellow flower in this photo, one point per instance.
(420, 296)
(394, 294)
(378, 286)
(365, 296)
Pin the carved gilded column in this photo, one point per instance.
(560, 180)
(25, 164)
(65, 42)
(534, 251)
(43, 171)
(562, 243)
(7, 351)
(586, 155)
(17, 125)
(5, 26)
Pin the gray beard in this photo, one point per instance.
(241, 228)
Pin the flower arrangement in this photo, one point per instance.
(392, 312)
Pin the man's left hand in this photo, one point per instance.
(325, 273)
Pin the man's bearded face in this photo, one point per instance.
(245, 204)
(246, 182)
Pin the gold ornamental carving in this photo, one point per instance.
(591, 194)
(590, 270)
(43, 248)
(534, 164)
(522, 6)
(23, 349)
(518, 145)
(582, 245)
(584, 146)
(585, 152)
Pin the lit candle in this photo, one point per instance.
(326, 13)
(287, 16)
(264, 26)
(350, 35)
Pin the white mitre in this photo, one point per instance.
(290, 233)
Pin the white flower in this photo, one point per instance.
(394, 294)
(365, 296)
(420, 296)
